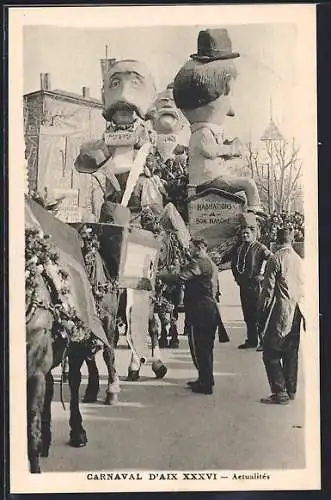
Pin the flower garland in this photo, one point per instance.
(161, 304)
(91, 246)
(42, 261)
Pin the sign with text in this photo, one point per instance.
(69, 210)
(214, 215)
(120, 138)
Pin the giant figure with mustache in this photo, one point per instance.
(128, 94)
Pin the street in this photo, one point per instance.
(162, 425)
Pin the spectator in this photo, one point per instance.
(280, 319)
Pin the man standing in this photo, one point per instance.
(200, 282)
(280, 319)
(248, 263)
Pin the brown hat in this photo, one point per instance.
(214, 44)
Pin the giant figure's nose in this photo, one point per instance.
(128, 90)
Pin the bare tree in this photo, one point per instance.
(276, 169)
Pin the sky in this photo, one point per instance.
(267, 82)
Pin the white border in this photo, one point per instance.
(21, 481)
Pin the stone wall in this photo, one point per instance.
(55, 128)
(33, 110)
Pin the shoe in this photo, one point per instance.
(90, 398)
(247, 345)
(199, 389)
(275, 399)
(191, 383)
(174, 344)
(133, 375)
(163, 342)
(159, 369)
(291, 395)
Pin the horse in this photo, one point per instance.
(172, 256)
(54, 328)
(106, 296)
(46, 342)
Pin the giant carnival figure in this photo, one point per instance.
(128, 94)
(171, 157)
(202, 91)
(171, 131)
(61, 320)
(168, 122)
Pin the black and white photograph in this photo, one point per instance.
(164, 331)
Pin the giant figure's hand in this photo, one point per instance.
(93, 154)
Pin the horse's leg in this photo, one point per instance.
(110, 311)
(163, 342)
(46, 415)
(39, 362)
(92, 389)
(35, 397)
(113, 388)
(158, 366)
(116, 336)
(174, 342)
(76, 357)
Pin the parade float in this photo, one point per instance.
(131, 253)
(218, 199)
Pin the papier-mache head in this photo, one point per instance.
(129, 91)
(165, 115)
(202, 87)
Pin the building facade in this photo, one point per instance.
(56, 123)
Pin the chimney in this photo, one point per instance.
(86, 92)
(42, 81)
(47, 81)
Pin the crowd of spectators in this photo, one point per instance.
(275, 221)
(174, 175)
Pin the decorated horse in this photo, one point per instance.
(61, 320)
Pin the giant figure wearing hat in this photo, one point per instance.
(128, 94)
(202, 90)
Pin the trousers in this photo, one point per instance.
(249, 296)
(204, 319)
(281, 356)
(282, 365)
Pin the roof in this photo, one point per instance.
(272, 133)
(66, 95)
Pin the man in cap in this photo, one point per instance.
(200, 280)
(248, 263)
(280, 319)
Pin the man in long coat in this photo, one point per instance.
(280, 319)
